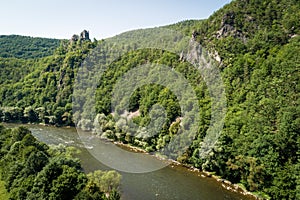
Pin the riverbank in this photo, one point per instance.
(178, 167)
(205, 174)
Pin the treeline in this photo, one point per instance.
(256, 44)
(30, 169)
(25, 47)
(32, 115)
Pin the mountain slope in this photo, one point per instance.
(16, 46)
(256, 43)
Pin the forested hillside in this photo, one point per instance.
(256, 44)
(42, 92)
(16, 46)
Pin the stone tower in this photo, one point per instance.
(84, 35)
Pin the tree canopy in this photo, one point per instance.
(256, 43)
(29, 169)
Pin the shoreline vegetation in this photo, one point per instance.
(254, 44)
(40, 171)
(236, 188)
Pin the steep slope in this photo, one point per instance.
(44, 94)
(256, 43)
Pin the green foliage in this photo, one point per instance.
(13, 69)
(259, 146)
(30, 170)
(257, 44)
(106, 181)
(3, 192)
(41, 89)
(16, 46)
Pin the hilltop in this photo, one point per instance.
(17, 46)
(256, 45)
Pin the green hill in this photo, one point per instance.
(256, 43)
(16, 46)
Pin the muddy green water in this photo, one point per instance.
(168, 183)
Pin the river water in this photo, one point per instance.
(171, 182)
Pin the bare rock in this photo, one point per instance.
(228, 27)
(194, 34)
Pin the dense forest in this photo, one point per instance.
(17, 46)
(30, 169)
(256, 45)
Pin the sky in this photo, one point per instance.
(102, 18)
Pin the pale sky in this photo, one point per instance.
(103, 18)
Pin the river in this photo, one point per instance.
(171, 182)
